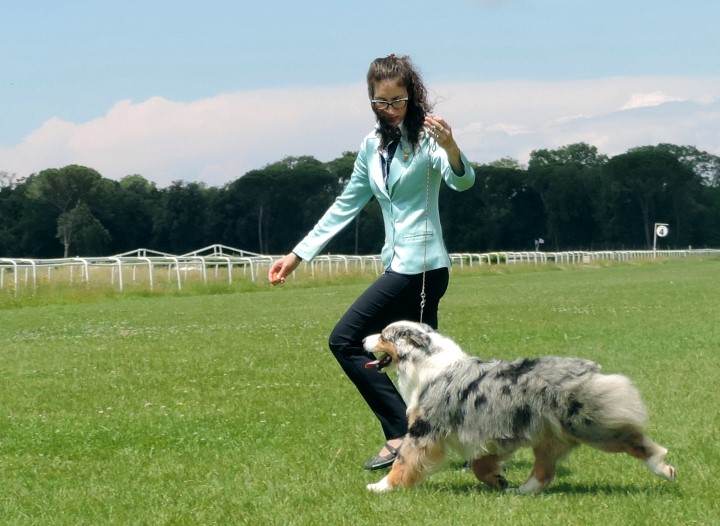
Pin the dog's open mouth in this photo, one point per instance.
(381, 363)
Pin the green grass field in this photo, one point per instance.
(225, 406)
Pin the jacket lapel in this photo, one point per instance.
(398, 168)
(376, 171)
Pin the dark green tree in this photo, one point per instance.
(73, 187)
(581, 154)
(127, 211)
(703, 164)
(179, 223)
(567, 193)
(268, 210)
(500, 212)
(648, 185)
(708, 233)
(10, 206)
(79, 226)
(567, 181)
(573, 197)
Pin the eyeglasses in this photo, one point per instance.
(397, 104)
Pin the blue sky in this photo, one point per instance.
(206, 91)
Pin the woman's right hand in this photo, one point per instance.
(282, 268)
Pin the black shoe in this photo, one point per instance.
(382, 461)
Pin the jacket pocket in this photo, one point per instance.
(418, 237)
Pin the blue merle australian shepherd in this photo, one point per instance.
(487, 410)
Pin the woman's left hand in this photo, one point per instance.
(441, 131)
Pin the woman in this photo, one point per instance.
(401, 164)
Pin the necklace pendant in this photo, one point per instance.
(406, 155)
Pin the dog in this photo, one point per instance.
(488, 410)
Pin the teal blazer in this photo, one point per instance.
(410, 247)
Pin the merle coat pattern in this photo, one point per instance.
(487, 410)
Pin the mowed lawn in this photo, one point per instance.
(227, 408)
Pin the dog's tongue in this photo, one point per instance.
(372, 364)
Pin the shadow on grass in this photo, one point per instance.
(614, 489)
(556, 488)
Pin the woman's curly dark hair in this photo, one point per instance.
(394, 67)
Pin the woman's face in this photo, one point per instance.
(390, 91)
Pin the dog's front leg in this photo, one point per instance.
(404, 474)
(400, 475)
(380, 486)
(411, 464)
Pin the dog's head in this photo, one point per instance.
(397, 342)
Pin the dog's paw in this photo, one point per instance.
(381, 486)
(657, 465)
(531, 487)
(667, 472)
(502, 482)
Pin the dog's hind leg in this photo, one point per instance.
(638, 445)
(412, 463)
(487, 470)
(656, 463)
(547, 456)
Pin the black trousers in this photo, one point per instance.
(392, 297)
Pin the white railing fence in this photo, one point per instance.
(220, 263)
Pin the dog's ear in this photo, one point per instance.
(426, 327)
(418, 339)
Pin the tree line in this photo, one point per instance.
(570, 198)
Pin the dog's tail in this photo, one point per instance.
(604, 404)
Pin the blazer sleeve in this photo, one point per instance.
(346, 207)
(459, 183)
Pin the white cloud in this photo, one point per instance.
(218, 139)
(553, 114)
(509, 129)
(213, 140)
(644, 100)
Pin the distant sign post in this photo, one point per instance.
(661, 230)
